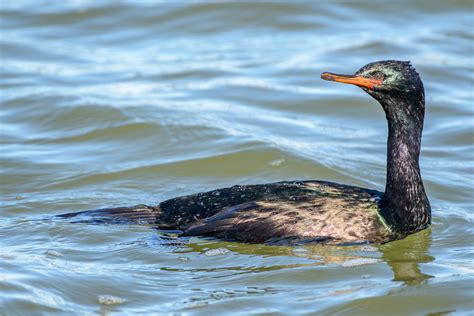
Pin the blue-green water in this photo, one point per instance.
(110, 103)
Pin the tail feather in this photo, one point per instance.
(139, 214)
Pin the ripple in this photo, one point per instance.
(121, 103)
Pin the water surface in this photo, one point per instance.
(108, 103)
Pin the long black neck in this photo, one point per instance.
(405, 205)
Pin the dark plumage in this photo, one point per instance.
(315, 211)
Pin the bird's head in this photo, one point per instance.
(395, 84)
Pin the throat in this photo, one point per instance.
(405, 205)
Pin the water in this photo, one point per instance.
(108, 103)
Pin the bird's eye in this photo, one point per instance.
(378, 75)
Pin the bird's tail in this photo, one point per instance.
(138, 214)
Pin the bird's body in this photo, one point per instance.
(314, 211)
(281, 212)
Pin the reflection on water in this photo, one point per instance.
(404, 258)
(119, 103)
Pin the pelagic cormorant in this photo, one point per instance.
(317, 211)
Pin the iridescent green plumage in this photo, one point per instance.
(315, 211)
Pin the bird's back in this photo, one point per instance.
(299, 211)
(281, 212)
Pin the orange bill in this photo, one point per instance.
(360, 81)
